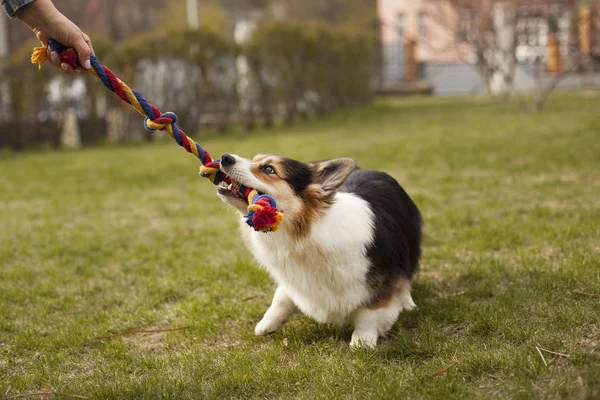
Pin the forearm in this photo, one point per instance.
(13, 6)
(38, 14)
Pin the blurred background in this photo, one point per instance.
(231, 64)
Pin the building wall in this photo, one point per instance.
(393, 64)
(431, 23)
(453, 78)
(450, 67)
(457, 79)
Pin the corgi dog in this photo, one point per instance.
(347, 250)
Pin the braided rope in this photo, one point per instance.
(262, 212)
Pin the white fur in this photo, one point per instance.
(324, 275)
(370, 324)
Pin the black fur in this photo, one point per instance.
(396, 248)
(298, 174)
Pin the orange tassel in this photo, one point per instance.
(39, 56)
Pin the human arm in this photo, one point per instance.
(48, 23)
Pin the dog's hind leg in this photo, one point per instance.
(372, 322)
(403, 296)
(282, 308)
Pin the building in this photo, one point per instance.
(437, 51)
(450, 35)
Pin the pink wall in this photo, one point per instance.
(431, 22)
(389, 10)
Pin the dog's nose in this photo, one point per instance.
(227, 159)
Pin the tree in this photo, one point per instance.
(496, 34)
(580, 58)
(482, 30)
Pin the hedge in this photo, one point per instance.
(293, 69)
(310, 67)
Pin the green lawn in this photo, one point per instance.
(105, 240)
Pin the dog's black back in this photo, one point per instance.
(396, 248)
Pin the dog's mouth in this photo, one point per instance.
(235, 190)
(232, 187)
(232, 190)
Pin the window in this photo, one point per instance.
(466, 24)
(401, 25)
(422, 26)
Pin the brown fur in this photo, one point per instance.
(312, 202)
(385, 300)
(313, 206)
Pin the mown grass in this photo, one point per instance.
(105, 240)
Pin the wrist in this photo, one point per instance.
(39, 14)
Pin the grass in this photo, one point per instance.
(111, 239)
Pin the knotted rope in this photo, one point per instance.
(262, 212)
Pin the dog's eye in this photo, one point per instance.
(268, 169)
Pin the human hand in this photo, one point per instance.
(48, 23)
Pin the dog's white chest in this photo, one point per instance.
(325, 273)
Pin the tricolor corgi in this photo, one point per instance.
(347, 250)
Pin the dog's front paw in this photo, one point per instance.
(265, 327)
(364, 339)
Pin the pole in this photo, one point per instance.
(3, 34)
(193, 12)
(5, 105)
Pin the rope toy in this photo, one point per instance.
(262, 210)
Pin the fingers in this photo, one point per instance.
(67, 68)
(89, 43)
(84, 50)
(53, 57)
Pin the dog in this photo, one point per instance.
(347, 250)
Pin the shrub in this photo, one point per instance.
(192, 72)
(294, 68)
(309, 67)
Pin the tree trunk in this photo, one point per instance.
(116, 125)
(504, 20)
(70, 137)
(5, 103)
(486, 76)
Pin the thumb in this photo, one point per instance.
(42, 36)
(84, 51)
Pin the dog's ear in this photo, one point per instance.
(330, 174)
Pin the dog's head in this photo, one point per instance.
(302, 190)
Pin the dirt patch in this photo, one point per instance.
(592, 340)
(456, 330)
(146, 343)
